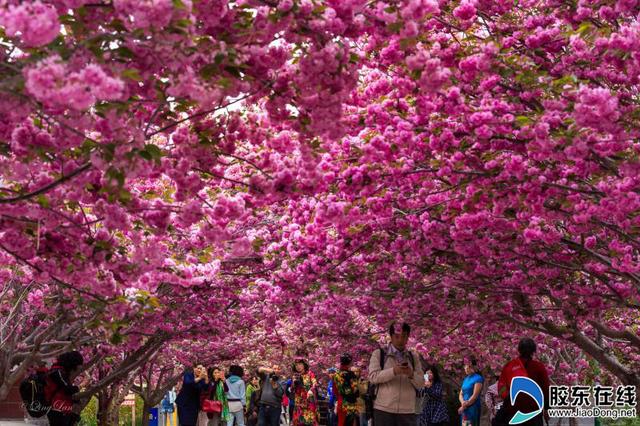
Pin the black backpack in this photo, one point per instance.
(33, 394)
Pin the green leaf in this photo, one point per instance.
(584, 28)
(146, 155)
(116, 175)
(124, 196)
(154, 150)
(66, 19)
(125, 52)
(234, 71)
(567, 79)
(209, 71)
(109, 151)
(183, 23)
(406, 43)
(523, 120)
(116, 338)
(43, 201)
(224, 82)
(118, 25)
(527, 77)
(395, 27)
(274, 17)
(131, 74)
(178, 4)
(185, 105)
(257, 244)
(102, 245)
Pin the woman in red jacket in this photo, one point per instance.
(346, 383)
(60, 389)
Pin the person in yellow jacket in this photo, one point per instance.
(363, 387)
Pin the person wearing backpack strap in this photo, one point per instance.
(32, 393)
(397, 374)
(524, 366)
(59, 389)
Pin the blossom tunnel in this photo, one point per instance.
(243, 180)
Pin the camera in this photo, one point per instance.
(297, 380)
(275, 378)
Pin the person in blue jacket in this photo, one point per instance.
(291, 397)
(167, 407)
(236, 395)
(188, 400)
(331, 399)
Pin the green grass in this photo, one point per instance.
(89, 414)
(620, 422)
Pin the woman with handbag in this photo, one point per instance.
(188, 400)
(214, 409)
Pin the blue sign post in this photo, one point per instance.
(153, 416)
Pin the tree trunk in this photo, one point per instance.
(4, 390)
(571, 333)
(114, 415)
(145, 413)
(103, 409)
(108, 408)
(588, 346)
(109, 416)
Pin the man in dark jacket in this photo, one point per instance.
(273, 389)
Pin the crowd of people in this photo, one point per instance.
(400, 390)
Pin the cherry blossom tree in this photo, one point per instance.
(214, 181)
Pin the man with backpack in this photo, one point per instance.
(396, 375)
(523, 366)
